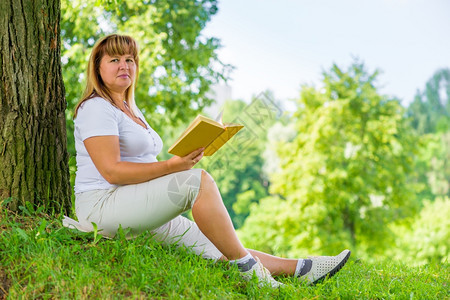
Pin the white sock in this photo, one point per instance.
(245, 263)
(299, 266)
(303, 267)
(242, 260)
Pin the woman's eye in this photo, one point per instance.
(114, 60)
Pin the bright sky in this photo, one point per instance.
(281, 44)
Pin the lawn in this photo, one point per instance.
(41, 259)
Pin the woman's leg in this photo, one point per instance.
(139, 207)
(276, 265)
(213, 219)
(182, 231)
(149, 205)
(214, 222)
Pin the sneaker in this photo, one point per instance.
(263, 275)
(322, 266)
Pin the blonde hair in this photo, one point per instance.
(112, 45)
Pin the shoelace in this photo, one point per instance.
(263, 269)
(266, 274)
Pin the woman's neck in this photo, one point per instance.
(118, 99)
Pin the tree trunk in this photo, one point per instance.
(33, 144)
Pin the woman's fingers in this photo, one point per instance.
(196, 155)
(188, 161)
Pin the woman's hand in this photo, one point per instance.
(178, 163)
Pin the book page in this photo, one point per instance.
(230, 131)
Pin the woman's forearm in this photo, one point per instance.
(124, 172)
(105, 154)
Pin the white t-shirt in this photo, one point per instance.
(97, 117)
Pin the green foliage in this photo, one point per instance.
(433, 166)
(41, 259)
(430, 110)
(177, 63)
(430, 116)
(343, 178)
(263, 230)
(237, 168)
(428, 239)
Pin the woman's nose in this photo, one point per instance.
(123, 64)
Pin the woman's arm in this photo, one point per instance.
(105, 153)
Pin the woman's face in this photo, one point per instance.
(118, 72)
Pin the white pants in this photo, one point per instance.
(154, 205)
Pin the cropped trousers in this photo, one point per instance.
(155, 206)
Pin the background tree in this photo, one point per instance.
(430, 117)
(343, 178)
(238, 167)
(430, 110)
(33, 153)
(177, 63)
(432, 172)
(427, 240)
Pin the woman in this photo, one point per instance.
(119, 181)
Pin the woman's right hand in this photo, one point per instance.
(178, 163)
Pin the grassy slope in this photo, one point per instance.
(40, 259)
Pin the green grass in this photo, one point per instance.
(41, 259)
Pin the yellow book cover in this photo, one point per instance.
(204, 132)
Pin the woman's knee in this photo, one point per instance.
(207, 179)
(207, 187)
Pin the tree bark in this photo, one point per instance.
(33, 144)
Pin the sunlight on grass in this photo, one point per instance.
(42, 259)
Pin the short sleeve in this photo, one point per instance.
(96, 117)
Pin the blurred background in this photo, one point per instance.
(345, 106)
(280, 45)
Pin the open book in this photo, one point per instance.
(204, 132)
